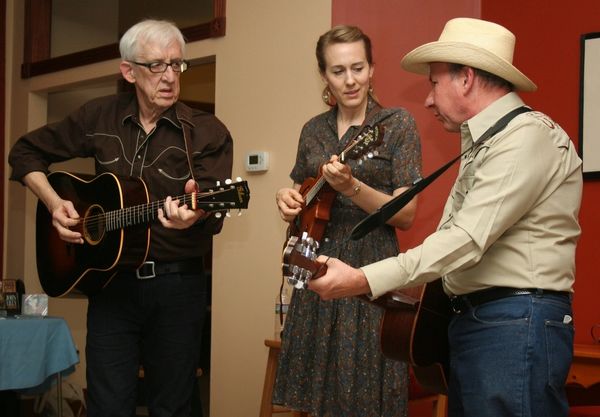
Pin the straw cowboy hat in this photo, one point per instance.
(475, 43)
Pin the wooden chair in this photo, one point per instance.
(418, 398)
(267, 409)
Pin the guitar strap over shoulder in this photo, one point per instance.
(383, 213)
(183, 115)
(188, 148)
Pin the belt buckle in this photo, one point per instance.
(149, 264)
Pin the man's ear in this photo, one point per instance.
(467, 77)
(127, 71)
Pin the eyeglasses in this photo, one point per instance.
(160, 67)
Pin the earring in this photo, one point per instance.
(371, 93)
(328, 97)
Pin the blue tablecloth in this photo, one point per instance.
(33, 350)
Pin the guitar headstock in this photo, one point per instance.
(363, 146)
(299, 261)
(225, 197)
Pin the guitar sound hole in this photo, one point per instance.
(94, 225)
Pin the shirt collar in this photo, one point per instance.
(176, 114)
(482, 121)
(129, 107)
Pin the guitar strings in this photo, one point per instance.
(148, 211)
(367, 132)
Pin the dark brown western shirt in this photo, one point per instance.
(108, 129)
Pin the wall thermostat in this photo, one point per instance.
(257, 161)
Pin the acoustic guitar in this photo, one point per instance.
(318, 194)
(115, 215)
(414, 325)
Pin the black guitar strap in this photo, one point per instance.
(188, 147)
(185, 113)
(383, 213)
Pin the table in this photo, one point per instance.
(33, 352)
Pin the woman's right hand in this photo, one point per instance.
(289, 202)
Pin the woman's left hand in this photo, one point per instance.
(339, 176)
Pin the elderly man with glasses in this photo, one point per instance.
(151, 315)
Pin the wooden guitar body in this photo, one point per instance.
(85, 269)
(419, 335)
(115, 215)
(317, 213)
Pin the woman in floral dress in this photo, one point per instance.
(330, 363)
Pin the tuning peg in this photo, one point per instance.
(239, 212)
(228, 181)
(370, 155)
(227, 214)
(218, 215)
(304, 237)
(218, 183)
(238, 179)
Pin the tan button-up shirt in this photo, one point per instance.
(511, 218)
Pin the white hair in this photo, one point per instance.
(161, 32)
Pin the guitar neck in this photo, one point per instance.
(146, 213)
(320, 182)
(367, 139)
(314, 191)
(134, 215)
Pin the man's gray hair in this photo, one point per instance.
(486, 77)
(161, 32)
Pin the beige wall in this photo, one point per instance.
(267, 86)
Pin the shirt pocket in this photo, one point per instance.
(461, 189)
(108, 150)
(172, 163)
(466, 179)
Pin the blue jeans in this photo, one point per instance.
(510, 358)
(156, 322)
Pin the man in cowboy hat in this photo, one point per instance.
(505, 246)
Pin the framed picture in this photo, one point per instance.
(589, 114)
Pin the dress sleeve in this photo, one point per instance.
(298, 174)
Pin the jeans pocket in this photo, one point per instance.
(559, 342)
(511, 310)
